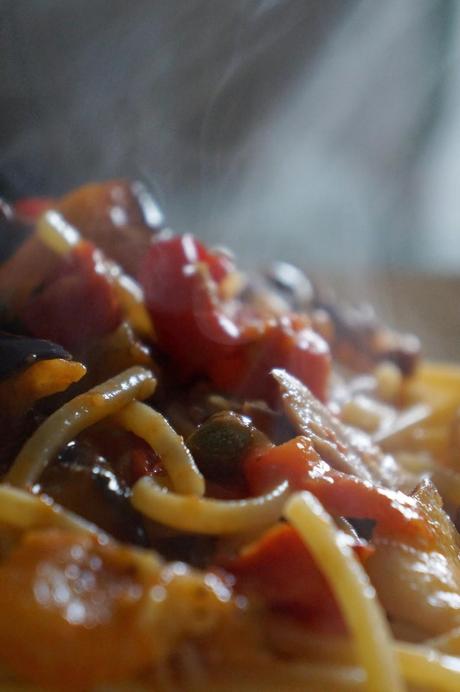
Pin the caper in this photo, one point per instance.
(220, 444)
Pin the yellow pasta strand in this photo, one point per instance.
(23, 510)
(205, 515)
(131, 298)
(76, 415)
(279, 676)
(423, 665)
(448, 643)
(152, 427)
(428, 668)
(54, 231)
(352, 589)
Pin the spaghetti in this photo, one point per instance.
(354, 591)
(68, 421)
(21, 510)
(203, 515)
(156, 431)
(301, 536)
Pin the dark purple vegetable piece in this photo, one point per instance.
(85, 482)
(17, 352)
(292, 283)
(368, 341)
(358, 338)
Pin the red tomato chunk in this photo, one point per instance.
(77, 304)
(207, 334)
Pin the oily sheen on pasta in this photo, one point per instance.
(213, 480)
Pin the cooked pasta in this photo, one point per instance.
(156, 431)
(212, 482)
(21, 510)
(354, 592)
(68, 421)
(202, 515)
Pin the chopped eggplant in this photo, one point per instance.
(84, 482)
(292, 283)
(361, 340)
(17, 352)
(31, 370)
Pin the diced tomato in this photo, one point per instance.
(279, 569)
(205, 334)
(172, 261)
(30, 208)
(267, 467)
(77, 304)
(186, 312)
(287, 343)
(296, 461)
(144, 462)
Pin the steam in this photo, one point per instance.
(282, 128)
(324, 175)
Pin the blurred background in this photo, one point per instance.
(325, 132)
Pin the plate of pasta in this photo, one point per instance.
(213, 479)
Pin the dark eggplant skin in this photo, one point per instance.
(85, 482)
(292, 284)
(18, 352)
(368, 340)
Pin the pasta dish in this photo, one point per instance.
(212, 479)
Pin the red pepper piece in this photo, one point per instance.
(77, 304)
(144, 462)
(280, 569)
(287, 343)
(396, 514)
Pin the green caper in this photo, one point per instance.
(221, 443)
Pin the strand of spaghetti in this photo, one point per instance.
(152, 427)
(428, 668)
(292, 639)
(56, 233)
(23, 510)
(242, 665)
(447, 643)
(424, 665)
(265, 673)
(206, 515)
(73, 417)
(352, 589)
